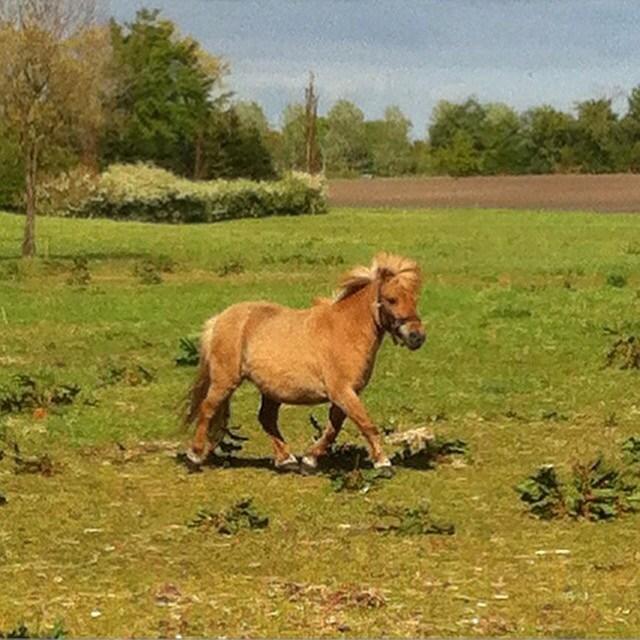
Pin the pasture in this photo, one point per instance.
(521, 309)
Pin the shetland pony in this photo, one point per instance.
(305, 357)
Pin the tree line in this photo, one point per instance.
(78, 90)
(473, 138)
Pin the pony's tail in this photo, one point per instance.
(200, 387)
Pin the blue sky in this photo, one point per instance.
(415, 52)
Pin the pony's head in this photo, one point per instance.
(397, 282)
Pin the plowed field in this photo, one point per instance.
(620, 192)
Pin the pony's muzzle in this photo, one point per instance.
(415, 339)
(413, 335)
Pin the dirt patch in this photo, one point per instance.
(618, 192)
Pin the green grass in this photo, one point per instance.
(520, 311)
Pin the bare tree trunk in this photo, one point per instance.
(311, 117)
(89, 153)
(198, 163)
(31, 180)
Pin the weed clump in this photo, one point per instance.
(356, 480)
(162, 262)
(25, 392)
(305, 259)
(241, 515)
(229, 268)
(601, 492)
(624, 354)
(79, 276)
(189, 351)
(542, 492)
(633, 248)
(595, 491)
(631, 449)
(147, 272)
(10, 271)
(510, 312)
(133, 375)
(411, 521)
(22, 631)
(41, 465)
(616, 279)
(552, 415)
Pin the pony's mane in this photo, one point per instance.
(384, 265)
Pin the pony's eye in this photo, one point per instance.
(392, 300)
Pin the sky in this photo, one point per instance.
(413, 53)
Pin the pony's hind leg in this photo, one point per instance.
(212, 420)
(321, 446)
(218, 425)
(268, 418)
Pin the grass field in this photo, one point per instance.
(521, 309)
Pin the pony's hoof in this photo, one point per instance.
(195, 458)
(184, 459)
(384, 470)
(290, 465)
(308, 466)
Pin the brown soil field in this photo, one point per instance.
(618, 192)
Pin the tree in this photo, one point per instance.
(389, 144)
(422, 160)
(502, 142)
(51, 58)
(234, 149)
(165, 86)
(345, 143)
(448, 118)
(11, 169)
(456, 137)
(459, 157)
(595, 135)
(628, 135)
(547, 139)
(293, 148)
(251, 115)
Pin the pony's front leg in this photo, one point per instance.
(321, 446)
(349, 402)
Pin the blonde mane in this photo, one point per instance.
(384, 265)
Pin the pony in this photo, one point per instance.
(323, 354)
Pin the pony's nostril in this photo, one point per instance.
(416, 339)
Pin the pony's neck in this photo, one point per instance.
(360, 308)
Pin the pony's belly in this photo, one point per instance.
(288, 385)
(290, 391)
(295, 398)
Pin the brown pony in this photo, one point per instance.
(310, 356)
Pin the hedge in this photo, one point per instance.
(146, 193)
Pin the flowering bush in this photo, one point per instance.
(146, 193)
(67, 191)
